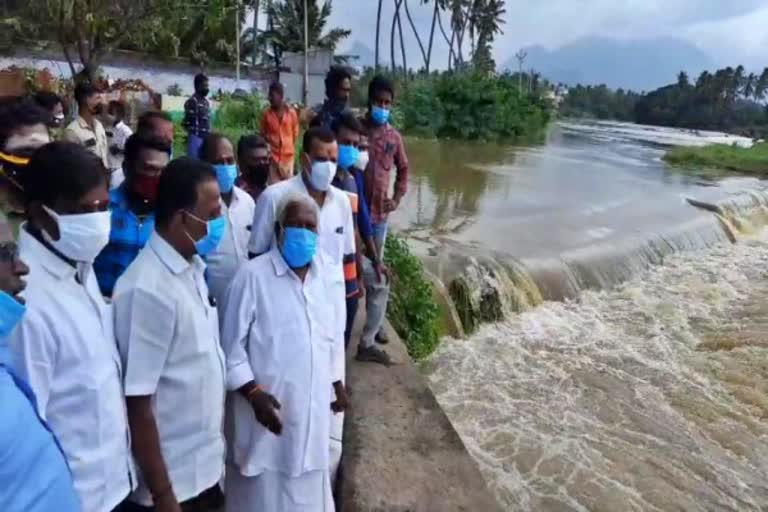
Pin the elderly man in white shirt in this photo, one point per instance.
(336, 236)
(65, 346)
(279, 336)
(237, 208)
(168, 333)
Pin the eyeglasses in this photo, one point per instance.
(9, 252)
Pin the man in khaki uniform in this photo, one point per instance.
(86, 130)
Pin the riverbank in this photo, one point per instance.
(753, 160)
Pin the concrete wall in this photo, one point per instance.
(401, 452)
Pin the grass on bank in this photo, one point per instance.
(752, 160)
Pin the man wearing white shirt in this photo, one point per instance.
(280, 338)
(65, 346)
(336, 237)
(237, 208)
(167, 331)
(117, 135)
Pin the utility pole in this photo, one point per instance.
(237, 40)
(306, 53)
(520, 56)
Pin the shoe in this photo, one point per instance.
(373, 355)
(382, 338)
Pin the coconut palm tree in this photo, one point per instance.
(286, 30)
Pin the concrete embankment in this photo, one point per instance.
(401, 452)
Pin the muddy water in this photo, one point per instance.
(643, 389)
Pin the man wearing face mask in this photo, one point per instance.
(133, 208)
(256, 167)
(387, 153)
(168, 333)
(197, 116)
(64, 346)
(22, 130)
(27, 446)
(349, 134)
(278, 334)
(237, 208)
(87, 130)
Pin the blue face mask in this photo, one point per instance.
(11, 312)
(226, 174)
(298, 247)
(211, 241)
(379, 115)
(348, 156)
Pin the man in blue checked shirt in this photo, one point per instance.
(132, 205)
(34, 476)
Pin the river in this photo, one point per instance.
(628, 367)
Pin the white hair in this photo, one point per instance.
(294, 198)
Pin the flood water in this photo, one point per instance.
(644, 386)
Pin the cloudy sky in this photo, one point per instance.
(730, 31)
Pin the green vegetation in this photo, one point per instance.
(471, 106)
(729, 100)
(600, 102)
(752, 160)
(412, 310)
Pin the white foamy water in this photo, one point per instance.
(651, 396)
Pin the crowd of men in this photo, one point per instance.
(173, 331)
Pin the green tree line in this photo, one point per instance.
(730, 99)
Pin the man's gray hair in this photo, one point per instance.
(294, 198)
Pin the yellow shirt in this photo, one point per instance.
(95, 140)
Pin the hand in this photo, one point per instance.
(390, 205)
(265, 407)
(342, 400)
(361, 287)
(167, 502)
(382, 271)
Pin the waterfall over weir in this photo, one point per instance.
(487, 287)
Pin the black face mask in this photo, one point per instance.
(257, 175)
(97, 110)
(204, 92)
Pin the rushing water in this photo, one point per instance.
(645, 386)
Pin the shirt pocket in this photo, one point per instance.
(332, 245)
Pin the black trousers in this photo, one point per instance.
(210, 500)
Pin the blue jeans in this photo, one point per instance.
(193, 145)
(380, 236)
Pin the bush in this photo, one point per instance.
(471, 106)
(412, 310)
(239, 116)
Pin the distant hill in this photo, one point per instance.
(366, 56)
(641, 65)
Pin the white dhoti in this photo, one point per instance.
(275, 492)
(334, 456)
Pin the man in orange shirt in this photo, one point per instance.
(280, 126)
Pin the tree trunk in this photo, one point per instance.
(415, 33)
(378, 30)
(432, 35)
(392, 35)
(254, 49)
(402, 41)
(449, 42)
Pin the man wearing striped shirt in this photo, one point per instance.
(197, 116)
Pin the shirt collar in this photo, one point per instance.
(84, 124)
(282, 268)
(32, 250)
(170, 256)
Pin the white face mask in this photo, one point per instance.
(322, 175)
(81, 236)
(362, 161)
